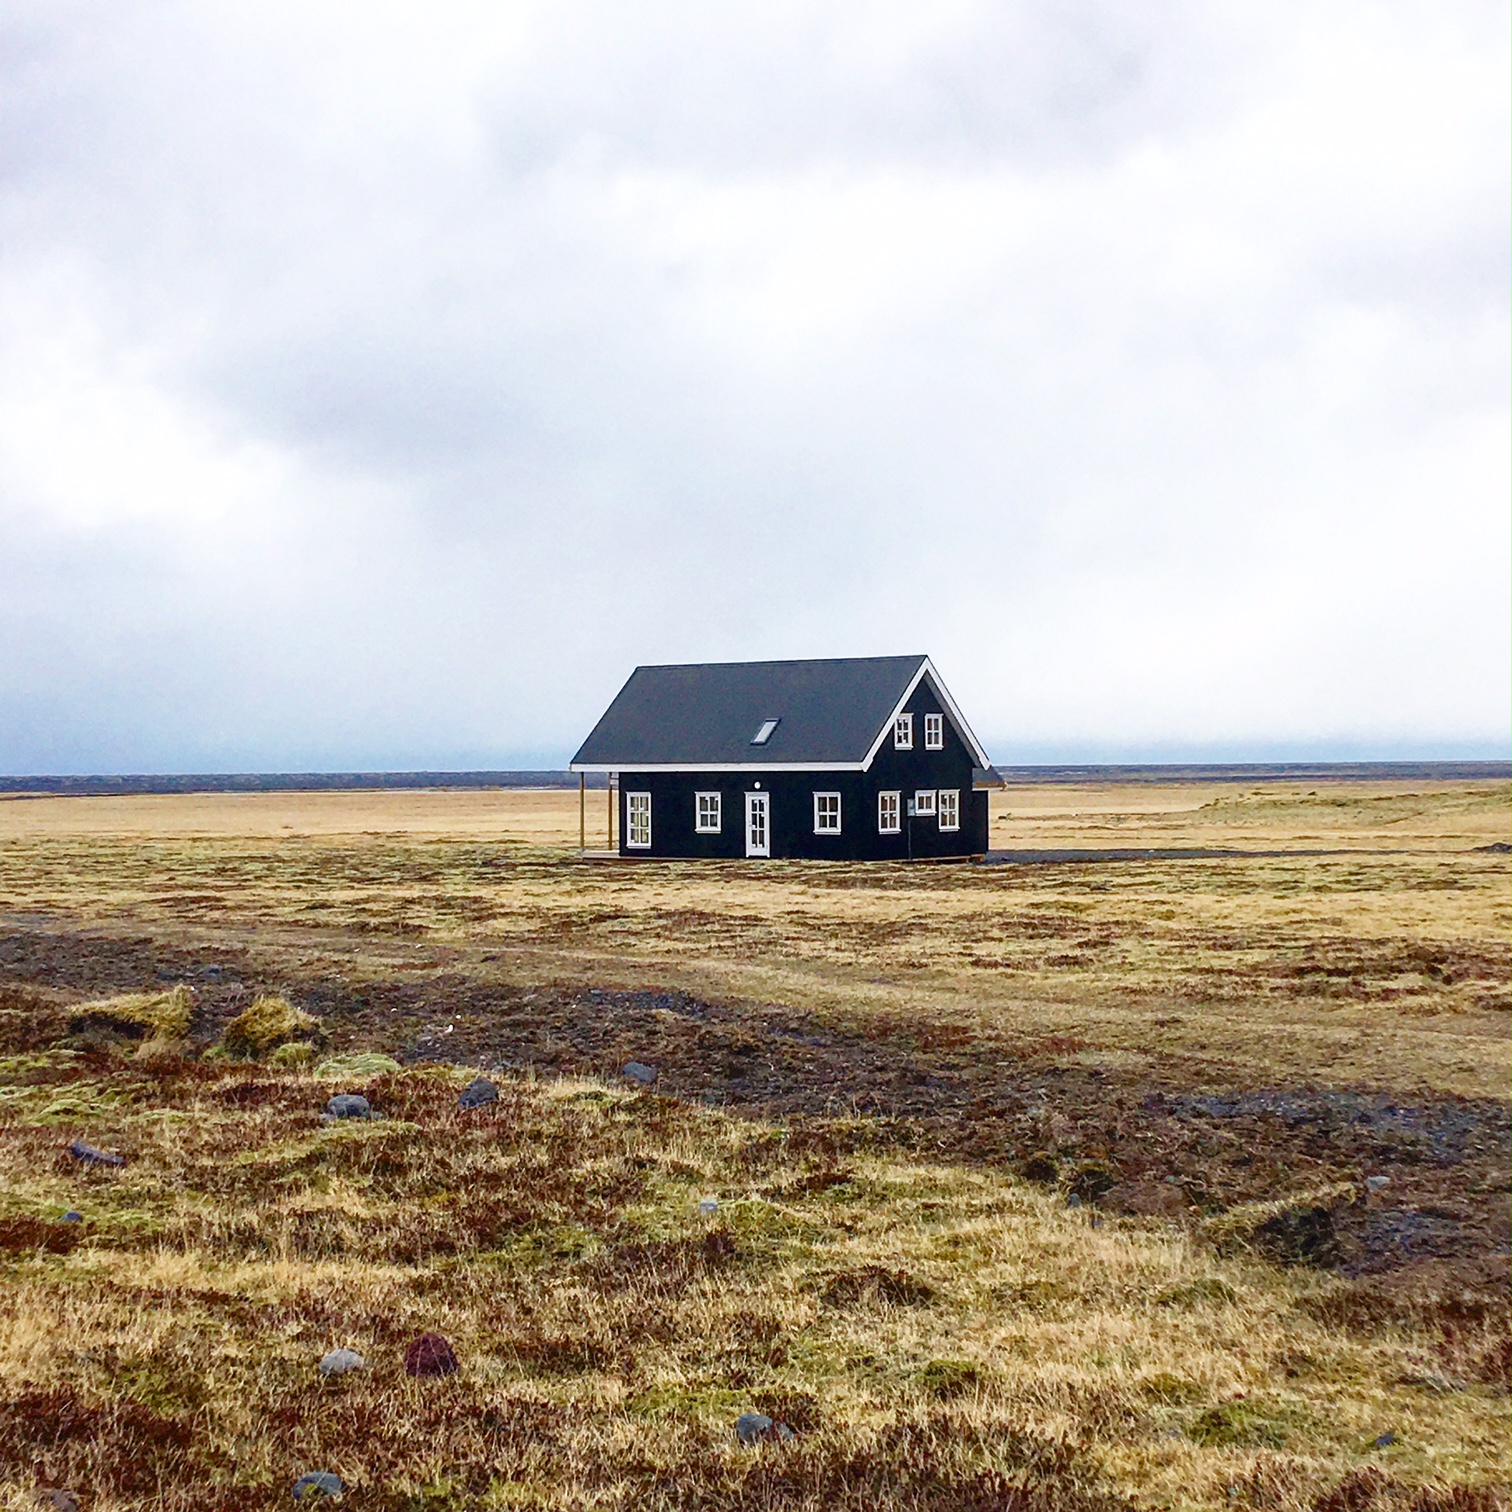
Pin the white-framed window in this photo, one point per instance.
(924, 801)
(826, 813)
(934, 732)
(903, 733)
(889, 813)
(707, 814)
(638, 820)
(950, 808)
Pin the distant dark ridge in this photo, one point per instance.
(285, 782)
(288, 782)
(1268, 771)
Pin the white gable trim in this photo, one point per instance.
(962, 728)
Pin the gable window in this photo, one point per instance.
(889, 808)
(826, 813)
(638, 820)
(903, 733)
(950, 809)
(764, 734)
(924, 802)
(707, 818)
(934, 732)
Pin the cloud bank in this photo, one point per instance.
(379, 384)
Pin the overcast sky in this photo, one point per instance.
(380, 383)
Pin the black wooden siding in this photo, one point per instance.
(674, 804)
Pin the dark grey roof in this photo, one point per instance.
(706, 715)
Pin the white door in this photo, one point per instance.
(758, 825)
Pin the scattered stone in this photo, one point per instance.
(708, 1207)
(317, 1485)
(638, 1072)
(73, 1215)
(348, 1105)
(1073, 1201)
(1375, 1183)
(1384, 1441)
(59, 1498)
(88, 1155)
(758, 1428)
(430, 1355)
(478, 1093)
(339, 1361)
(751, 1426)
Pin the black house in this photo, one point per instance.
(861, 759)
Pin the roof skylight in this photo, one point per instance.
(764, 734)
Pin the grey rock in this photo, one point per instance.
(478, 1093)
(707, 1207)
(757, 1428)
(339, 1361)
(752, 1427)
(1073, 1201)
(88, 1155)
(1385, 1441)
(349, 1105)
(73, 1215)
(317, 1485)
(638, 1072)
(1375, 1183)
(59, 1498)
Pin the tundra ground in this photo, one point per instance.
(1053, 1185)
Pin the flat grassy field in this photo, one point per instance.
(1149, 1182)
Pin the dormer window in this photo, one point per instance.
(764, 734)
(903, 733)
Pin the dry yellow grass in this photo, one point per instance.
(1386, 967)
(943, 1332)
(610, 1334)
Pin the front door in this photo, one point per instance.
(758, 824)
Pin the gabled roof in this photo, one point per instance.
(830, 715)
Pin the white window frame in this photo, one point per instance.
(703, 825)
(637, 821)
(903, 733)
(890, 805)
(821, 803)
(924, 802)
(934, 732)
(950, 808)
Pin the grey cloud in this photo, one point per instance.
(381, 387)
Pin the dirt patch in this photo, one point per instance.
(1158, 1147)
